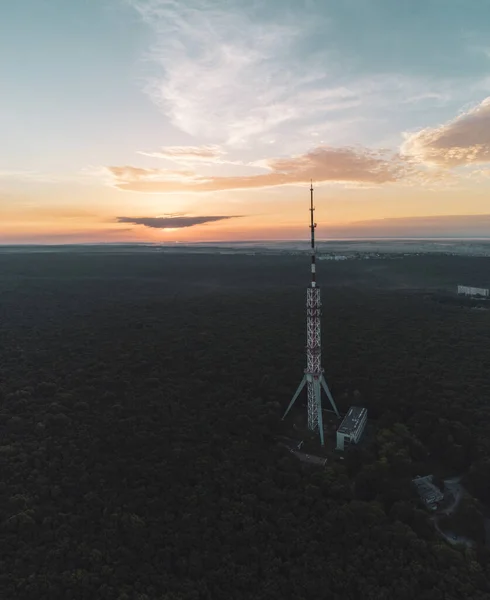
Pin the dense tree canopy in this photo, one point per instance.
(140, 397)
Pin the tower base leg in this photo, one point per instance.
(318, 397)
(315, 416)
(296, 394)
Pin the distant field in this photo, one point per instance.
(59, 287)
(197, 271)
(463, 246)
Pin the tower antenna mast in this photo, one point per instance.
(313, 377)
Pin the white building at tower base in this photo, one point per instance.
(352, 427)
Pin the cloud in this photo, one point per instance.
(190, 155)
(238, 73)
(84, 176)
(173, 221)
(463, 141)
(35, 176)
(209, 154)
(357, 165)
(428, 97)
(480, 174)
(224, 73)
(127, 175)
(17, 174)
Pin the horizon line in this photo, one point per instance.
(254, 241)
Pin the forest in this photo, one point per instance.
(140, 400)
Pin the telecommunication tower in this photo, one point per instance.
(313, 376)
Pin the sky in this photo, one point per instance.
(205, 120)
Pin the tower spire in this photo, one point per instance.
(313, 374)
(312, 228)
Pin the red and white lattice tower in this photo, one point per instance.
(313, 374)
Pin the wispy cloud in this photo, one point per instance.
(35, 176)
(435, 98)
(425, 226)
(244, 74)
(225, 74)
(357, 165)
(83, 176)
(211, 154)
(17, 174)
(189, 154)
(463, 141)
(128, 174)
(174, 221)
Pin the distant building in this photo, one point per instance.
(473, 291)
(332, 257)
(429, 493)
(352, 426)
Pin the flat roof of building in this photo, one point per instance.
(352, 419)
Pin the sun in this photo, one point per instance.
(169, 228)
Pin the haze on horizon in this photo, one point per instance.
(199, 120)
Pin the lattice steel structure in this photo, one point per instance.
(313, 376)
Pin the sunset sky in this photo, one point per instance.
(200, 120)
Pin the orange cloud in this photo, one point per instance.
(133, 174)
(320, 164)
(463, 141)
